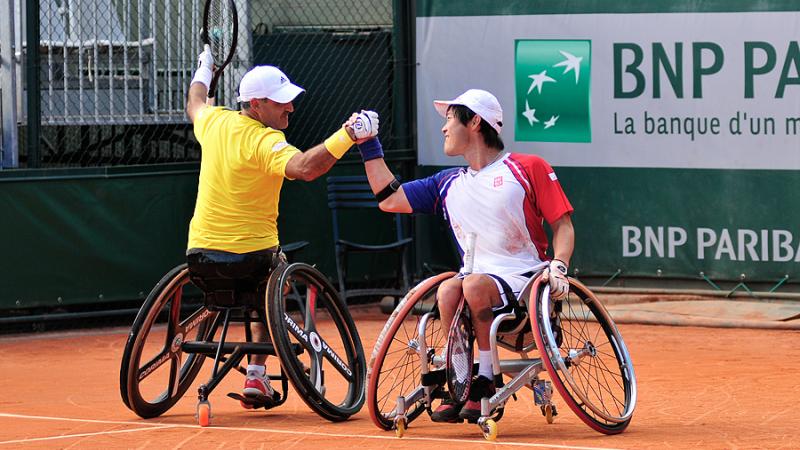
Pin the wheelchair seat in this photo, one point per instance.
(230, 279)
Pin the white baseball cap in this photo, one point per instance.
(480, 102)
(267, 82)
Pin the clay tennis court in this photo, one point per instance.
(698, 388)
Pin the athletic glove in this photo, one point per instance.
(365, 125)
(205, 68)
(556, 274)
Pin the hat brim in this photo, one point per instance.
(442, 105)
(286, 94)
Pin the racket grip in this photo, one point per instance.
(469, 252)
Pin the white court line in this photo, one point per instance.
(300, 433)
(67, 436)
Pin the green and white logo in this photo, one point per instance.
(552, 80)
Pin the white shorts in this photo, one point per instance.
(513, 283)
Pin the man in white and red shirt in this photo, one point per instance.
(503, 198)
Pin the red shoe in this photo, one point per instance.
(481, 387)
(447, 411)
(259, 390)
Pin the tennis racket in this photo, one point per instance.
(220, 29)
(460, 354)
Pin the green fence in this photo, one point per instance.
(96, 204)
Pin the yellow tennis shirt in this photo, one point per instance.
(242, 168)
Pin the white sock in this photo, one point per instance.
(485, 364)
(254, 370)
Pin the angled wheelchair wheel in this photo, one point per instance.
(316, 341)
(585, 356)
(155, 372)
(395, 366)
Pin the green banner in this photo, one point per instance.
(679, 223)
(431, 8)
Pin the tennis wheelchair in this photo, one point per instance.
(187, 318)
(581, 352)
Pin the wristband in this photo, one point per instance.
(338, 143)
(371, 149)
(386, 192)
(202, 75)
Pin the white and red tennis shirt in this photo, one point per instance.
(504, 203)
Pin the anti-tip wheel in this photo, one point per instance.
(204, 414)
(489, 429)
(549, 413)
(400, 427)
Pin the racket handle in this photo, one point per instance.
(469, 252)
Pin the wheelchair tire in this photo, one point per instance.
(585, 356)
(338, 346)
(394, 368)
(162, 348)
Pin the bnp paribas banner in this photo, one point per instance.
(674, 126)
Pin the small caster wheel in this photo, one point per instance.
(489, 428)
(400, 427)
(204, 414)
(549, 412)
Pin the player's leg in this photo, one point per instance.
(256, 268)
(483, 296)
(257, 385)
(447, 297)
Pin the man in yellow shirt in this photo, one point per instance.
(245, 157)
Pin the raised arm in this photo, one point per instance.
(391, 197)
(319, 159)
(198, 89)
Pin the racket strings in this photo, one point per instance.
(461, 359)
(220, 30)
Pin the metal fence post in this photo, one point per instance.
(34, 122)
(9, 158)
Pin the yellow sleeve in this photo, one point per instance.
(274, 153)
(202, 120)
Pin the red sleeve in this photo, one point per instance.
(549, 198)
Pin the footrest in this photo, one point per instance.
(261, 401)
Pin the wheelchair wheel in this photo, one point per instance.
(394, 369)
(155, 372)
(585, 356)
(305, 312)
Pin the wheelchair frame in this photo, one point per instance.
(293, 334)
(565, 353)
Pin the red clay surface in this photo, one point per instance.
(698, 388)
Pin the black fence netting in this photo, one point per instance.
(114, 74)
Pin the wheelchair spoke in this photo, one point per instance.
(316, 346)
(334, 394)
(156, 362)
(587, 360)
(174, 371)
(197, 317)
